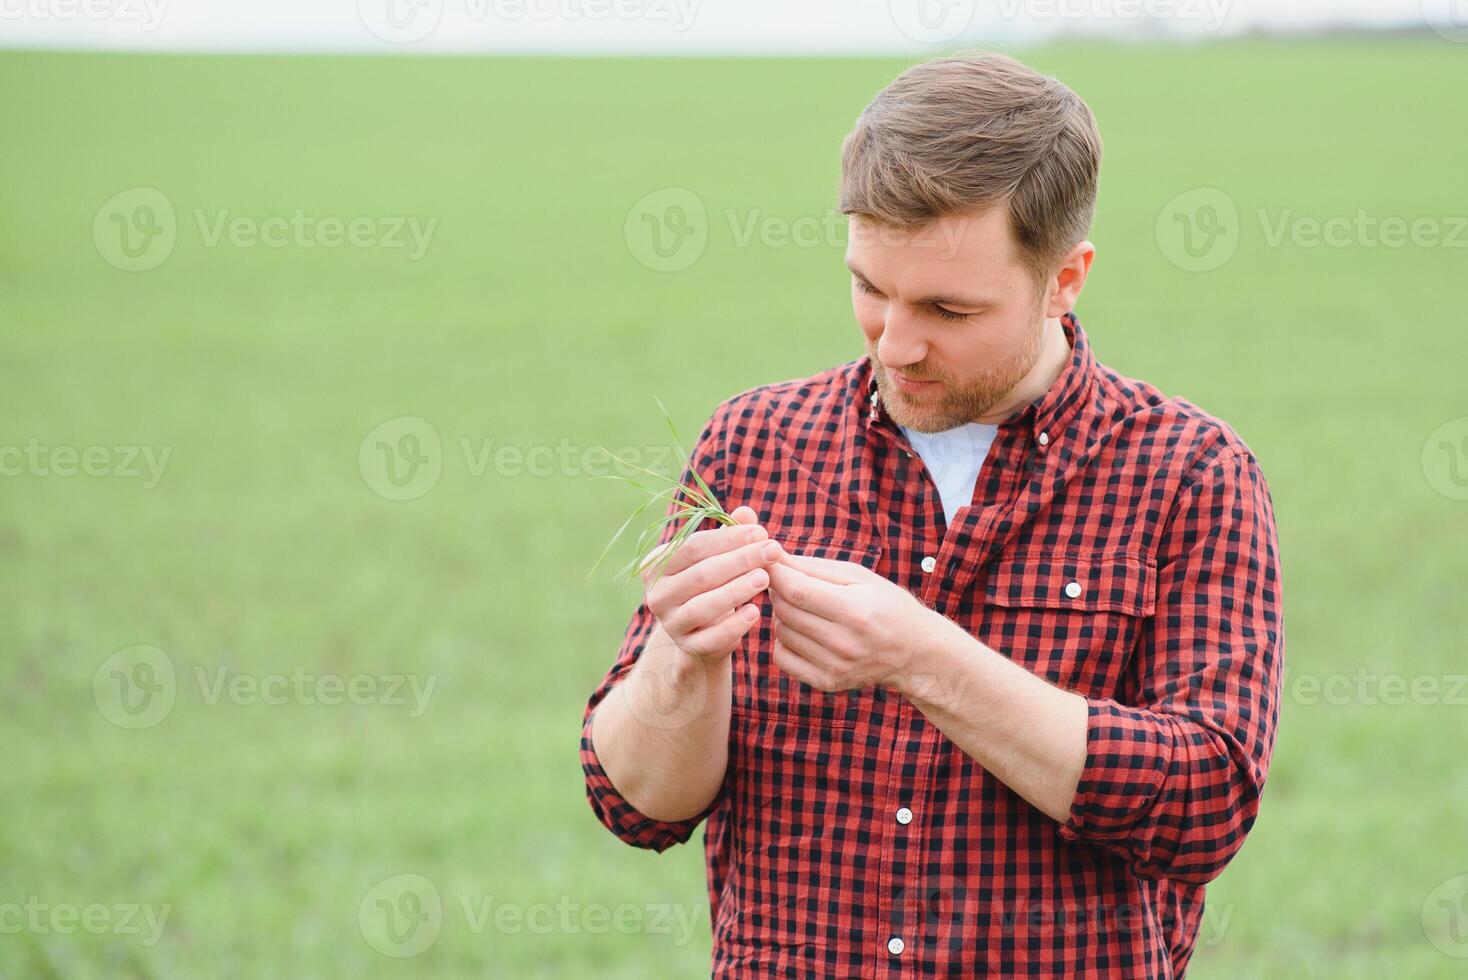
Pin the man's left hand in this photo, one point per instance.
(839, 625)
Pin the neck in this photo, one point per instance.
(1055, 353)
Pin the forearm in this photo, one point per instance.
(662, 733)
(1025, 731)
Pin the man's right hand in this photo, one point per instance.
(702, 595)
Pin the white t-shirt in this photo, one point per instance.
(953, 458)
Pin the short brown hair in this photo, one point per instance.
(961, 134)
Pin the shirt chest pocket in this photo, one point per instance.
(764, 694)
(1073, 619)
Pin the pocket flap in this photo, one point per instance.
(863, 550)
(1086, 583)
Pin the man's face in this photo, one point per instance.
(949, 304)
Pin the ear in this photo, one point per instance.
(1064, 288)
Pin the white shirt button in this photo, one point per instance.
(904, 816)
(1044, 439)
(895, 946)
(930, 563)
(1073, 590)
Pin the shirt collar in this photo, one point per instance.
(1044, 419)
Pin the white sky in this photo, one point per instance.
(669, 26)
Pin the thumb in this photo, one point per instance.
(836, 572)
(745, 515)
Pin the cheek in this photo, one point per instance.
(994, 350)
(870, 313)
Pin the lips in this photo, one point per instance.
(909, 385)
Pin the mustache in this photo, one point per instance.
(885, 372)
(911, 374)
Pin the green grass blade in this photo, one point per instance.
(620, 531)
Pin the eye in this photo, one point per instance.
(865, 286)
(948, 314)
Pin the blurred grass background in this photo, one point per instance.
(529, 322)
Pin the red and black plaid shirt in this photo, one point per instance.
(1121, 545)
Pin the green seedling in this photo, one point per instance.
(692, 505)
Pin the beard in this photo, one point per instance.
(958, 400)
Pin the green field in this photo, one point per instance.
(263, 551)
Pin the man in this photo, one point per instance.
(984, 704)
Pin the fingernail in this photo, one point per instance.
(772, 551)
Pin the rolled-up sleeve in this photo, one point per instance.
(610, 806)
(1172, 783)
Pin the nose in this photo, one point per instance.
(902, 343)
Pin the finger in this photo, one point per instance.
(806, 592)
(723, 636)
(710, 607)
(745, 515)
(704, 544)
(803, 646)
(828, 570)
(796, 666)
(822, 631)
(716, 572)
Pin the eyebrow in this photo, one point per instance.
(935, 300)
